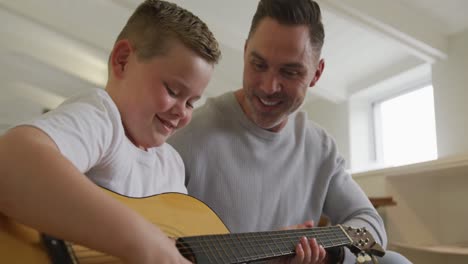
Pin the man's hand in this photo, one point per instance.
(308, 251)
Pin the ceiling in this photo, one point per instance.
(53, 49)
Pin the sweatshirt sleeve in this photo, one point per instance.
(346, 203)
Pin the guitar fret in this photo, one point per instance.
(290, 249)
(210, 249)
(255, 247)
(287, 247)
(260, 241)
(241, 247)
(275, 242)
(223, 250)
(272, 251)
(231, 247)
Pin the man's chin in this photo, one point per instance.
(268, 124)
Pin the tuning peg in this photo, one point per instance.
(367, 257)
(361, 259)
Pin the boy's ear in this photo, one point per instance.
(119, 57)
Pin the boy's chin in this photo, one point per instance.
(159, 140)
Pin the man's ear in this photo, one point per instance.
(318, 72)
(119, 57)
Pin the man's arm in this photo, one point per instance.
(41, 188)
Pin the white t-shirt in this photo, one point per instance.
(88, 131)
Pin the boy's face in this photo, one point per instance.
(156, 96)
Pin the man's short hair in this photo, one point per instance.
(155, 23)
(293, 12)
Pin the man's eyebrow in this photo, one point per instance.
(256, 55)
(294, 65)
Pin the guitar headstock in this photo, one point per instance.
(363, 242)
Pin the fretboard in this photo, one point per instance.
(247, 247)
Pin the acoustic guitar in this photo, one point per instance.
(200, 236)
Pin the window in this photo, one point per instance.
(405, 130)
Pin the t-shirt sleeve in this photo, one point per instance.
(83, 131)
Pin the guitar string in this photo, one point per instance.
(211, 253)
(207, 252)
(268, 236)
(339, 238)
(193, 249)
(259, 241)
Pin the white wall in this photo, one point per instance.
(334, 118)
(450, 81)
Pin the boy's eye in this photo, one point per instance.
(169, 90)
(189, 105)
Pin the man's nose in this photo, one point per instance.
(270, 84)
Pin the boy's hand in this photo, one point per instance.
(308, 251)
(156, 247)
(167, 253)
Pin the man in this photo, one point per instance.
(257, 161)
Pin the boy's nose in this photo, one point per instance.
(179, 110)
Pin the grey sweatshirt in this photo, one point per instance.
(257, 180)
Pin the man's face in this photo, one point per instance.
(279, 67)
(156, 97)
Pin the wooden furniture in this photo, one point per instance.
(382, 201)
(377, 202)
(427, 226)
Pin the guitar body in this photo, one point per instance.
(201, 237)
(20, 244)
(178, 215)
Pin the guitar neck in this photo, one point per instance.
(246, 247)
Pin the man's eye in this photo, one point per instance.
(259, 66)
(289, 73)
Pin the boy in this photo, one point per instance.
(159, 66)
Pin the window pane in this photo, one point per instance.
(408, 128)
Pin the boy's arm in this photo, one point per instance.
(41, 188)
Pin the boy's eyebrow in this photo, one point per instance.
(196, 98)
(296, 65)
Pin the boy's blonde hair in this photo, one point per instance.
(154, 24)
